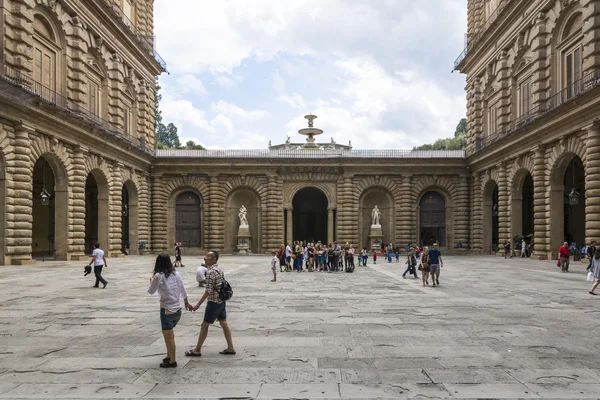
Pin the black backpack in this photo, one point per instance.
(226, 292)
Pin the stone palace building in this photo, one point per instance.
(78, 162)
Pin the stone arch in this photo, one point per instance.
(172, 190)
(97, 209)
(559, 164)
(130, 216)
(490, 213)
(291, 193)
(448, 187)
(521, 199)
(381, 196)
(248, 197)
(443, 187)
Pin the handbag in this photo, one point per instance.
(558, 263)
(590, 276)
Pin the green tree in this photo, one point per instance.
(165, 135)
(191, 145)
(458, 142)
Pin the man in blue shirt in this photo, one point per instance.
(435, 262)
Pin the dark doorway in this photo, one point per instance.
(187, 219)
(125, 220)
(574, 214)
(91, 213)
(527, 206)
(43, 213)
(310, 215)
(432, 219)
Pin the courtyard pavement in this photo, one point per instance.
(495, 328)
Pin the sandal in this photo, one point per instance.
(227, 352)
(593, 293)
(190, 353)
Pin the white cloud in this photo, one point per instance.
(189, 82)
(231, 110)
(226, 82)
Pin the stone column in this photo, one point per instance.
(159, 215)
(20, 221)
(115, 195)
(143, 215)
(503, 75)
(405, 221)
(330, 225)
(461, 213)
(541, 201)
(290, 224)
(592, 184)
(477, 213)
(216, 215)
(503, 206)
(77, 224)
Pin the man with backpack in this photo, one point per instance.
(217, 293)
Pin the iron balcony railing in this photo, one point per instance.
(311, 154)
(567, 95)
(476, 38)
(36, 90)
(147, 42)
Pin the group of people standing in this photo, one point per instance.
(299, 256)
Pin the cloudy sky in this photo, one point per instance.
(376, 72)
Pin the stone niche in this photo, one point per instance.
(250, 199)
(383, 199)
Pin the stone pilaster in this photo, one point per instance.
(541, 201)
(504, 103)
(18, 35)
(115, 194)
(591, 35)
(77, 220)
(347, 206)
(474, 114)
(592, 184)
(541, 62)
(461, 213)
(478, 15)
(405, 214)
(19, 229)
(143, 212)
(159, 215)
(503, 205)
(215, 215)
(477, 213)
(77, 85)
(273, 225)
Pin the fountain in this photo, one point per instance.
(310, 132)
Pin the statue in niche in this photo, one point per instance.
(243, 216)
(376, 215)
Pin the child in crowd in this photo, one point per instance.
(397, 255)
(274, 263)
(374, 257)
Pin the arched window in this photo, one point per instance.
(570, 53)
(46, 57)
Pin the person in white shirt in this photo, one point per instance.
(201, 275)
(99, 262)
(288, 257)
(169, 285)
(274, 263)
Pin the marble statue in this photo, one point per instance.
(288, 140)
(243, 216)
(376, 215)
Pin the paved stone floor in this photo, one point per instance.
(495, 328)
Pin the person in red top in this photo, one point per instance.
(563, 255)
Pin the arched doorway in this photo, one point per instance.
(522, 205)
(432, 219)
(248, 198)
(49, 211)
(310, 215)
(567, 203)
(96, 212)
(187, 219)
(129, 219)
(491, 226)
(384, 200)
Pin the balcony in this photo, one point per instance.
(24, 88)
(146, 42)
(476, 39)
(565, 96)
